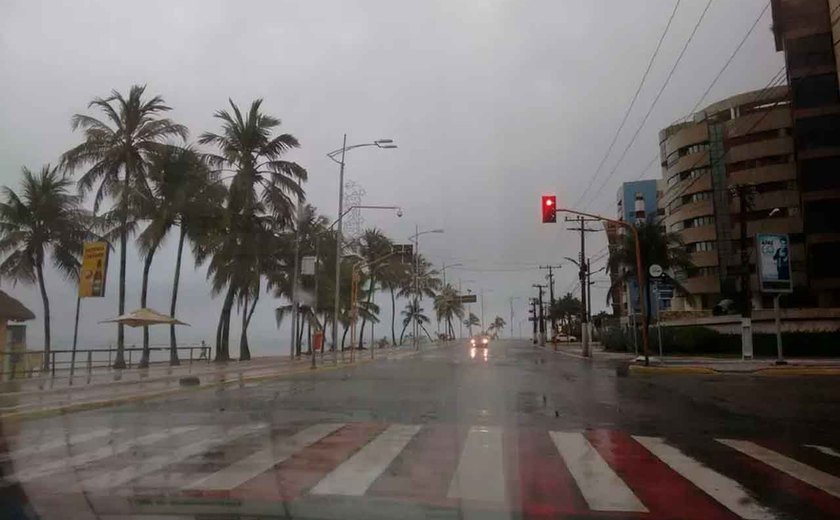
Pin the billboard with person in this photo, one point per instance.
(773, 260)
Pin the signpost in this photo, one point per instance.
(93, 270)
(774, 276)
(467, 298)
(655, 271)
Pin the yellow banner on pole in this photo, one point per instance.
(94, 270)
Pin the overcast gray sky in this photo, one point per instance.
(492, 104)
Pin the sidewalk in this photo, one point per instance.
(43, 396)
(734, 366)
(575, 349)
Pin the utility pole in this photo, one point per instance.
(550, 278)
(542, 314)
(744, 193)
(533, 302)
(588, 291)
(584, 321)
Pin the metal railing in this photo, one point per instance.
(63, 362)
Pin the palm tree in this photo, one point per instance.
(413, 312)
(395, 275)
(447, 306)
(118, 151)
(374, 246)
(565, 309)
(43, 220)
(497, 326)
(472, 321)
(657, 246)
(259, 200)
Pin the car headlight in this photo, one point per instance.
(472, 341)
(485, 341)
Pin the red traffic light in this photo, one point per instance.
(549, 209)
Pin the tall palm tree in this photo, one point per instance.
(472, 321)
(118, 151)
(264, 189)
(183, 192)
(447, 306)
(497, 326)
(395, 275)
(657, 246)
(43, 221)
(374, 246)
(413, 312)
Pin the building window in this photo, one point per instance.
(707, 271)
(818, 132)
(759, 136)
(820, 174)
(674, 156)
(698, 247)
(751, 164)
(768, 187)
(815, 91)
(696, 197)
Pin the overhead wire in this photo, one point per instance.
(656, 99)
(631, 105)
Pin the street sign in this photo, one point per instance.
(467, 298)
(93, 270)
(307, 265)
(774, 262)
(655, 270)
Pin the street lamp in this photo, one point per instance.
(416, 238)
(380, 143)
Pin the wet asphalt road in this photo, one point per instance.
(517, 388)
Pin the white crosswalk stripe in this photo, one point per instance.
(723, 489)
(480, 473)
(119, 477)
(281, 449)
(104, 452)
(355, 475)
(68, 441)
(602, 489)
(824, 449)
(819, 479)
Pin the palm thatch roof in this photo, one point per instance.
(11, 309)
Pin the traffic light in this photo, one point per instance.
(549, 209)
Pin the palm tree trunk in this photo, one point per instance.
(344, 336)
(222, 350)
(147, 265)
(309, 337)
(119, 361)
(393, 316)
(173, 343)
(427, 332)
(402, 334)
(364, 320)
(244, 351)
(46, 301)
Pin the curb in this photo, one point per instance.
(640, 369)
(93, 405)
(769, 371)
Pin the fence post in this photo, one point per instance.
(89, 365)
(191, 355)
(109, 355)
(52, 355)
(129, 359)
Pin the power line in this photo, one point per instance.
(713, 83)
(632, 104)
(656, 99)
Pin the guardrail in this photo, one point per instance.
(64, 362)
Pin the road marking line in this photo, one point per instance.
(355, 475)
(810, 475)
(281, 449)
(480, 474)
(726, 491)
(104, 452)
(58, 443)
(602, 489)
(824, 449)
(119, 477)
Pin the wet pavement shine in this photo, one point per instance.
(448, 433)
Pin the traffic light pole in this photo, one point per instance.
(640, 272)
(534, 318)
(584, 319)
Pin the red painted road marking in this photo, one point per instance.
(544, 485)
(661, 489)
(425, 467)
(298, 473)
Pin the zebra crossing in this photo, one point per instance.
(527, 469)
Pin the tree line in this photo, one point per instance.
(230, 196)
